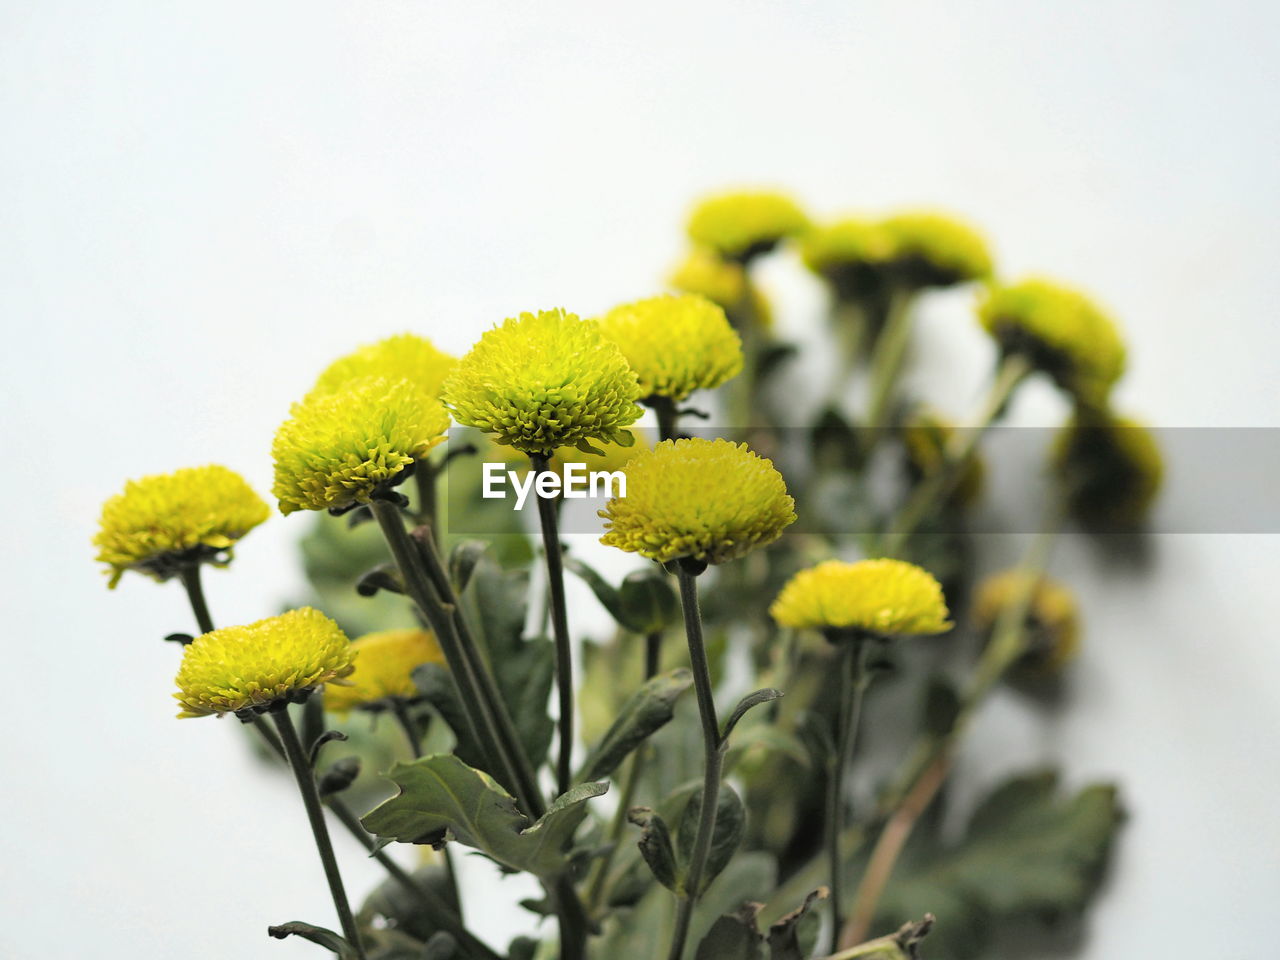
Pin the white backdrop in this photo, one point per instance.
(200, 204)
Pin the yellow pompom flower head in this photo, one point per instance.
(698, 501)
(1109, 469)
(545, 380)
(1059, 331)
(870, 598)
(252, 669)
(723, 282)
(744, 224)
(384, 667)
(934, 250)
(675, 344)
(342, 449)
(850, 254)
(1051, 628)
(404, 356)
(925, 438)
(164, 523)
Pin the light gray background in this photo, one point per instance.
(203, 203)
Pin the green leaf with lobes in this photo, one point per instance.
(442, 798)
(648, 710)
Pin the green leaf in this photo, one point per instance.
(605, 592)
(441, 797)
(435, 684)
(648, 710)
(730, 821)
(793, 936)
(647, 602)
(1028, 853)
(655, 847)
(745, 704)
(325, 938)
(733, 937)
(462, 561)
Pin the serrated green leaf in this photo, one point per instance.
(440, 796)
(648, 710)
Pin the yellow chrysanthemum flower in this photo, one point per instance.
(724, 282)
(882, 597)
(740, 225)
(1052, 621)
(404, 356)
(1110, 468)
(925, 437)
(257, 666)
(164, 521)
(1059, 331)
(850, 254)
(612, 456)
(384, 668)
(935, 250)
(676, 345)
(336, 449)
(545, 380)
(708, 500)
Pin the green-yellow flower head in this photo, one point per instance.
(724, 282)
(1110, 469)
(881, 597)
(162, 522)
(740, 225)
(936, 250)
(260, 665)
(706, 500)
(337, 448)
(545, 380)
(384, 668)
(1052, 621)
(676, 345)
(405, 356)
(850, 254)
(1061, 332)
(924, 438)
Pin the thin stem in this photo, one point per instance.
(190, 575)
(425, 477)
(668, 416)
(315, 814)
(853, 685)
(401, 711)
(713, 759)
(635, 772)
(886, 362)
(559, 625)
(959, 451)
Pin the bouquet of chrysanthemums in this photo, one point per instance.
(753, 759)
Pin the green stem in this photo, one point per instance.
(315, 814)
(401, 711)
(713, 759)
(853, 685)
(886, 363)
(959, 451)
(425, 477)
(468, 672)
(850, 323)
(668, 416)
(559, 625)
(635, 772)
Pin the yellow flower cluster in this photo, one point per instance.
(259, 665)
(545, 380)
(405, 356)
(850, 254)
(1110, 468)
(883, 597)
(1061, 332)
(740, 225)
(163, 521)
(675, 344)
(336, 449)
(924, 438)
(383, 668)
(1053, 618)
(936, 250)
(707, 500)
(724, 282)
